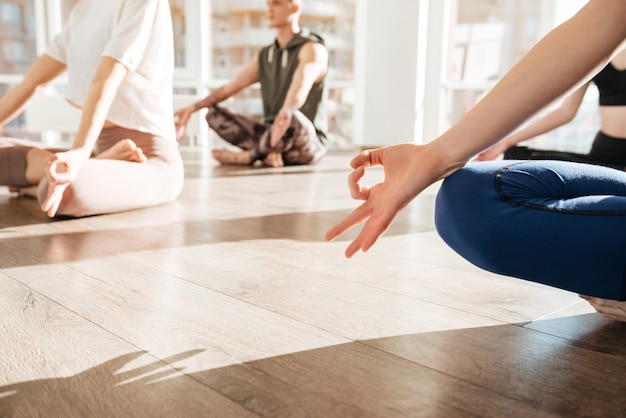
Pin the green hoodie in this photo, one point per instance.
(276, 69)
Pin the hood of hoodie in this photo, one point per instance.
(305, 35)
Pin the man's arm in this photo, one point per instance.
(244, 78)
(312, 67)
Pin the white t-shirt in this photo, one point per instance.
(138, 34)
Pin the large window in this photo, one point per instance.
(17, 35)
(180, 32)
(17, 46)
(487, 38)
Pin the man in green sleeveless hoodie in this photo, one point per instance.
(292, 72)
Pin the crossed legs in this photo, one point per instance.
(552, 222)
(34, 162)
(289, 141)
(122, 174)
(276, 132)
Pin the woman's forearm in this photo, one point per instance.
(542, 126)
(563, 58)
(44, 70)
(558, 117)
(108, 78)
(14, 101)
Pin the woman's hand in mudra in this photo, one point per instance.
(61, 170)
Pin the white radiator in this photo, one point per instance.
(50, 116)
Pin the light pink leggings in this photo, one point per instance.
(106, 186)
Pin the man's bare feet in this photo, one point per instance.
(125, 150)
(227, 157)
(274, 159)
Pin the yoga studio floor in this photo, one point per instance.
(228, 303)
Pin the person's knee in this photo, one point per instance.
(215, 116)
(466, 203)
(13, 166)
(308, 156)
(300, 121)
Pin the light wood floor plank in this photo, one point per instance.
(342, 307)
(54, 363)
(164, 315)
(360, 381)
(553, 374)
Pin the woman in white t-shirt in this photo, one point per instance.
(119, 59)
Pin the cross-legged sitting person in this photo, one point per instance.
(292, 73)
(119, 60)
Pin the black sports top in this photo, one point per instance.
(611, 84)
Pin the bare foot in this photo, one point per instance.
(228, 157)
(125, 150)
(274, 159)
(609, 308)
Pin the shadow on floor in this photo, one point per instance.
(62, 247)
(20, 211)
(497, 371)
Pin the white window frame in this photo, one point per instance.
(196, 73)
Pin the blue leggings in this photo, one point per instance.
(559, 223)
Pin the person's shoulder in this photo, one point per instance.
(311, 36)
(310, 44)
(312, 47)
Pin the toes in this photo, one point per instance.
(131, 144)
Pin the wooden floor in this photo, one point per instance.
(228, 303)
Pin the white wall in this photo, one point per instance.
(386, 65)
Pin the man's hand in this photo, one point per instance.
(181, 118)
(280, 126)
(409, 169)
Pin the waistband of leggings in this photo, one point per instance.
(603, 136)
